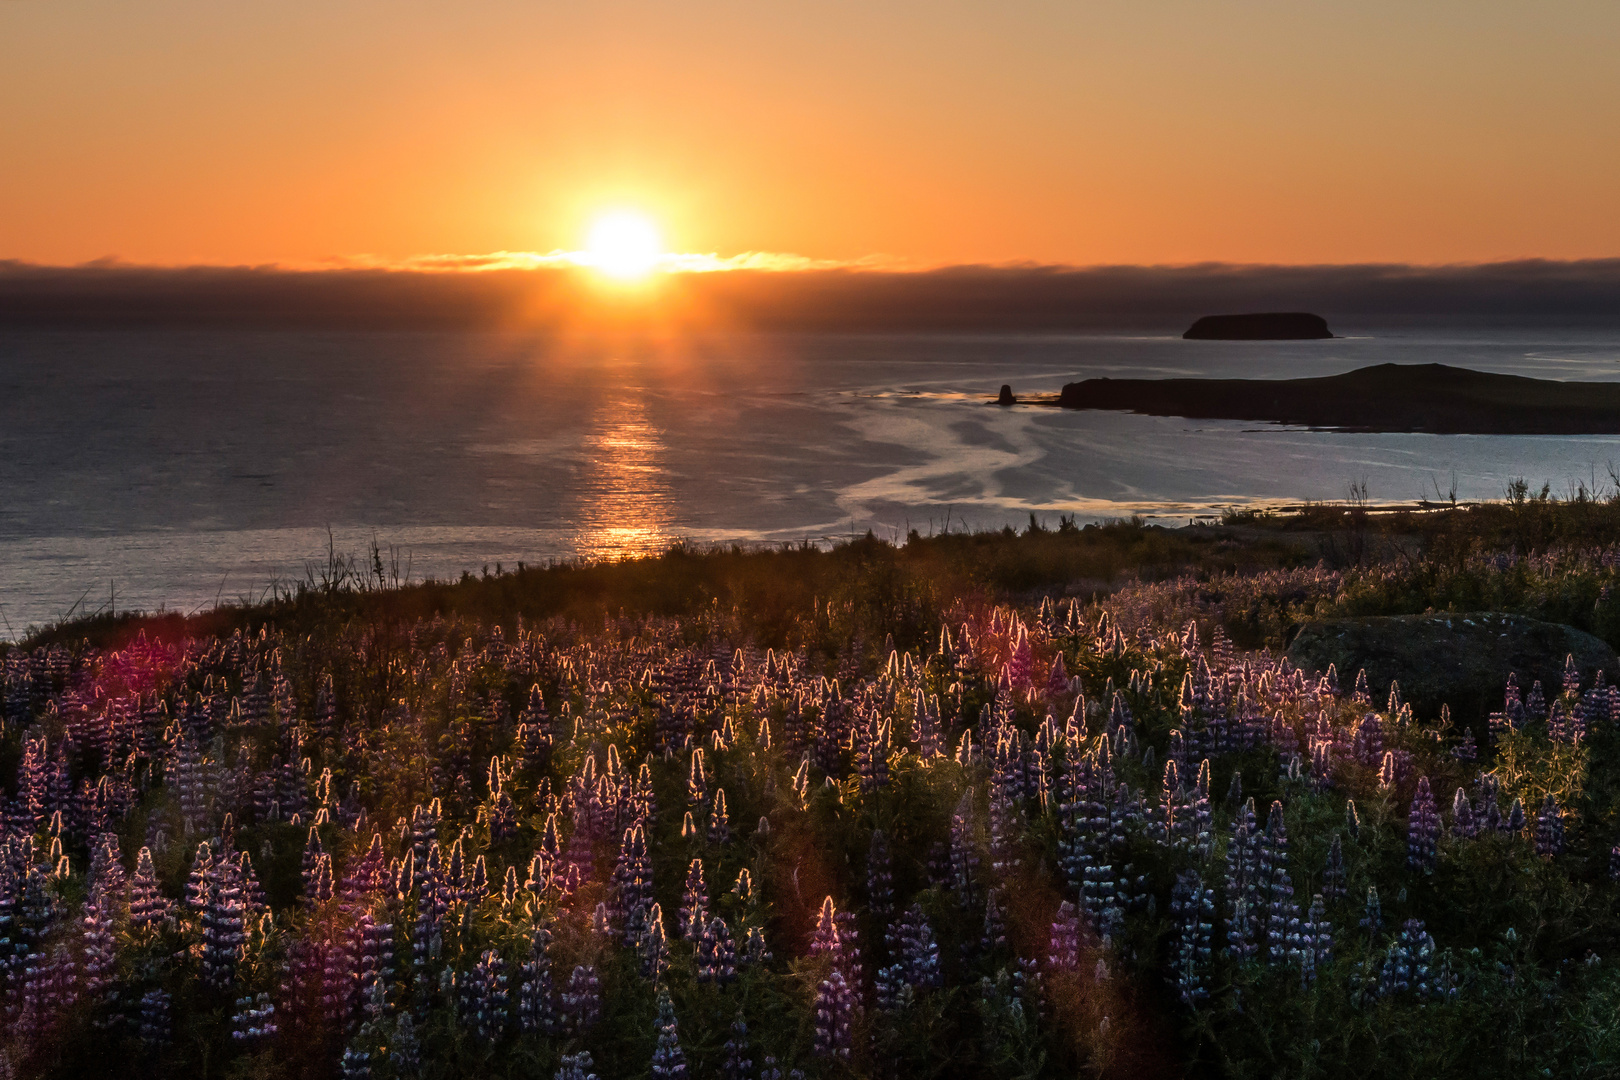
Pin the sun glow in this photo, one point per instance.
(623, 244)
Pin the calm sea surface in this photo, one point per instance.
(172, 469)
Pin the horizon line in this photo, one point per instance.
(767, 262)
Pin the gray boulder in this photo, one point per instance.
(1461, 660)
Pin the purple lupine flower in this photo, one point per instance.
(430, 908)
(253, 1019)
(484, 997)
(576, 1067)
(1074, 839)
(582, 1000)
(1446, 984)
(367, 875)
(925, 729)
(1333, 879)
(994, 938)
(1550, 829)
(1406, 963)
(848, 957)
(1596, 700)
(834, 1012)
(737, 1064)
(694, 907)
(540, 876)
(156, 1024)
(719, 820)
(375, 961)
(1572, 677)
(355, 1064)
(643, 801)
(602, 921)
(100, 945)
(891, 990)
(743, 887)
(1535, 705)
(1192, 906)
(655, 948)
(1100, 897)
(872, 753)
(28, 808)
(1174, 822)
(1245, 912)
(755, 950)
(964, 856)
(916, 950)
(1515, 818)
(824, 940)
(1020, 663)
(879, 880)
(1396, 975)
(510, 889)
(1388, 771)
(669, 1060)
(1467, 749)
(224, 929)
(1422, 829)
(49, 993)
(536, 1011)
(697, 784)
(1064, 953)
(336, 976)
(106, 868)
(200, 879)
(1488, 810)
(1361, 693)
(474, 884)
(1368, 744)
(1316, 935)
(1463, 825)
(633, 875)
(1177, 751)
(1372, 914)
(1282, 910)
(1003, 831)
(320, 882)
(1202, 817)
(716, 953)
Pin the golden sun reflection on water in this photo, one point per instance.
(624, 497)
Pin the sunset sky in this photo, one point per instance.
(1141, 131)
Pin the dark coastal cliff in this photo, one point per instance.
(1260, 326)
(1388, 397)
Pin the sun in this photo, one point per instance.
(623, 244)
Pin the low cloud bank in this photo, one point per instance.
(956, 299)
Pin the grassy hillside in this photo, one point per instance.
(999, 805)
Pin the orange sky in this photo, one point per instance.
(1067, 131)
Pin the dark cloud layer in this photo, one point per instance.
(968, 298)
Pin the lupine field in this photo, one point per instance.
(1007, 836)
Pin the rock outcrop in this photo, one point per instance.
(1459, 660)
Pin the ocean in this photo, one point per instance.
(175, 470)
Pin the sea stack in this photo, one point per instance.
(1006, 396)
(1260, 326)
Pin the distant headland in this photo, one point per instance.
(1434, 398)
(1260, 326)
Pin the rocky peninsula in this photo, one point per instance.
(1434, 398)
